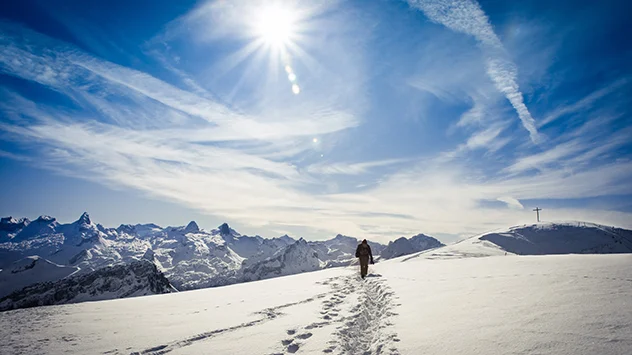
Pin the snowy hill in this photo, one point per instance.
(139, 278)
(403, 246)
(541, 239)
(31, 270)
(555, 304)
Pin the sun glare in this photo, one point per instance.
(275, 25)
(277, 28)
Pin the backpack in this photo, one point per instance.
(363, 250)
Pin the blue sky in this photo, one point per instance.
(368, 118)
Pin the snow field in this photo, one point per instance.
(566, 304)
(570, 304)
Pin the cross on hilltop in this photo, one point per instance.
(537, 211)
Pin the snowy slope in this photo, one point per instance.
(566, 304)
(139, 278)
(404, 246)
(541, 239)
(31, 270)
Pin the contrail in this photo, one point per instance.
(466, 16)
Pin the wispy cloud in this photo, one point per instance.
(80, 75)
(542, 160)
(352, 168)
(488, 138)
(255, 161)
(583, 104)
(511, 202)
(466, 16)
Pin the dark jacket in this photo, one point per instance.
(363, 250)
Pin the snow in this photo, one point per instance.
(340, 250)
(562, 238)
(483, 294)
(296, 258)
(540, 239)
(189, 256)
(30, 270)
(124, 280)
(43, 225)
(10, 226)
(554, 304)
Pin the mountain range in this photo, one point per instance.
(45, 262)
(51, 253)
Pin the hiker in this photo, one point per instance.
(363, 251)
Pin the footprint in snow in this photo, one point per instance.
(292, 348)
(304, 336)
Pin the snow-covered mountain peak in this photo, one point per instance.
(84, 219)
(295, 258)
(139, 230)
(192, 227)
(126, 228)
(8, 220)
(228, 234)
(344, 238)
(43, 225)
(283, 240)
(45, 219)
(81, 229)
(404, 246)
(224, 229)
(420, 236)
(10, 226)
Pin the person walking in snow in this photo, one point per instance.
(363, 251)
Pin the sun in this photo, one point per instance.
(275, 25)
(276, 31)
